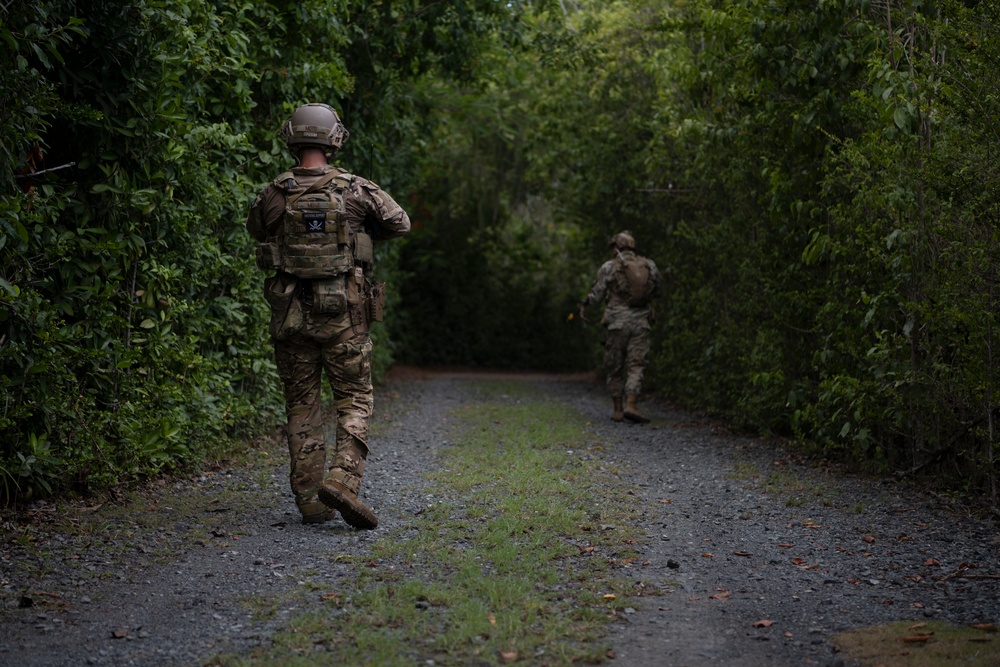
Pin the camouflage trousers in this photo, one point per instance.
(302, 361)
(625, 352)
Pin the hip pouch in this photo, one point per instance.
(268, 256)
(376, 302)
(286, 311)
(329, 295)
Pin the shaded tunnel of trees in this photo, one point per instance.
(817, 180)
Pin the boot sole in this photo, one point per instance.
(318, 518)
(354, 511)
(638, 419)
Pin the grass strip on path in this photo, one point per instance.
(526, 556)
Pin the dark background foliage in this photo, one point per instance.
(818, 184)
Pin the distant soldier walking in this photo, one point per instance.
(316, 225)
(628, 283)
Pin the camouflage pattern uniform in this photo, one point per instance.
(627, 328)
(322, 343)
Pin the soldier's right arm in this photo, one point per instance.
(600, 289)
(266, 214)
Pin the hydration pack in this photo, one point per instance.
(638, 282)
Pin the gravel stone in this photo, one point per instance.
(825, 553)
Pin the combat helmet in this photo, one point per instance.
(622, 240)
(315, 125)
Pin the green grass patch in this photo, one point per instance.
(522, 558)
(915, 644)
(744, 471)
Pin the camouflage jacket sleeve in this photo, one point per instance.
(266, 213)
(654, 275)
(377, 212)
(605, 276)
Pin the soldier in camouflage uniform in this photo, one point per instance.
(628, 316)
(316, 224)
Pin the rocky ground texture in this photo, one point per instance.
(763, 556)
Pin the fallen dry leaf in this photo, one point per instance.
(610, 596)
(798, 561)
(586, 550)
(985, 627)
(763, 624)
(120, 634)
(492, 619)
(916, 626)
(666, 500)
(916, 639)
(723, 594)
(708, 555)
(745, 554)
(785, 545)
(931, 562)
(508, 656)
(869, 538)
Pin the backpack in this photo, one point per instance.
(318, 245)
(637, 279)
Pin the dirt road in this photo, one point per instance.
(762, 557)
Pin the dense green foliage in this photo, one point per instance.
(132, 333)
(819, 181)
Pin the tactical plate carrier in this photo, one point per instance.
(318, 246)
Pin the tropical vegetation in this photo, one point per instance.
(818, 181)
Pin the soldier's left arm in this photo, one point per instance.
(657, 278)
(384, 218)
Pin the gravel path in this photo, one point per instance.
(740, 532)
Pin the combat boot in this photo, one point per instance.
(316, 512)
(632, 410)
(617, 415)
(337, 496)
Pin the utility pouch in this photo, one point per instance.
(268, 256)
(287, 317)
(355, 282)
(329, 296)
(364, 249)
(376, 302)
